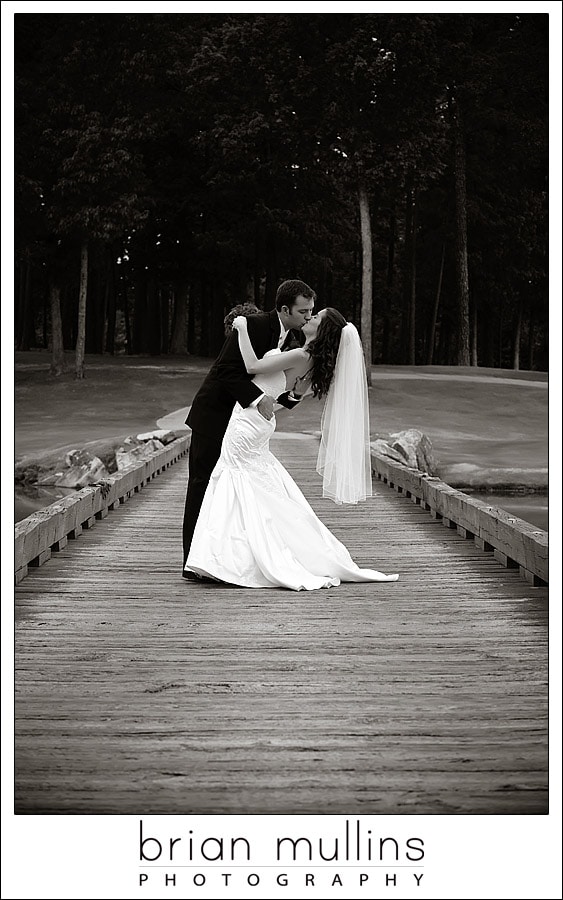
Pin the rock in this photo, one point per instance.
(27, 473)
(386, 450)
(412, 448)
(131, 453)
(162, 435)
(79, 458)
(50, 478)
(78, 468)
(81, 469)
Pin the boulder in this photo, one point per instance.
(77, 468)
(131, 452)
(162, 435)
(79, 457)
(80, 469)
(385, 449)
(412, 448)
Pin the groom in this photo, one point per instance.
(228, 382)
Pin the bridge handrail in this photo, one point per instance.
(48, 530)
(513, 541)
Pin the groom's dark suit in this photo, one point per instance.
(226, 383)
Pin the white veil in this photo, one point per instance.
(344, 456)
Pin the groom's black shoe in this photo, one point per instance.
(191, 576)
(201, 579)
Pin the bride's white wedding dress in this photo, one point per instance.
(255, 528)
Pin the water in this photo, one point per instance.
(36, 497)
(533, 508)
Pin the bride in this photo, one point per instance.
(255, 528)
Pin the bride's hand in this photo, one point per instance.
(239, 323)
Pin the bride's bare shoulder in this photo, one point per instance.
(296, 357)
(298, 361)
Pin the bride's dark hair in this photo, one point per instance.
(324, 350)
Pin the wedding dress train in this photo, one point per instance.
(255, 528)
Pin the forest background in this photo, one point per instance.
(169, 167)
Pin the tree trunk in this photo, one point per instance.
(99, 296)
(249, 289)
(462, 271)
(329, 286)
(501, 338)
(531, 336)
(68, 316)
(444, 343)
(26, 330)
(257, 280)
(217, 312)
(474, 337)
(406, 266)
(164, 301)
(271, 272)
(153, 301)
(434, 319)
(204, 317)
(355, 284)
(367, 277)
(127, 320)
(412, 287)
(105, 320)
(109, 343)
(517, 336)
(18, 296)
(257, 272)
(46, 317)
(81, 323)
(57, 343)
(386, 337)
(194, 301)
(140, 314)
(179, 338)
(93, 311)
(488, 330)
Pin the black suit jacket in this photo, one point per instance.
(228, 381)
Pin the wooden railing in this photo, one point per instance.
(513, 541)
(49, 530)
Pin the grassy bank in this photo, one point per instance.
(488, 427)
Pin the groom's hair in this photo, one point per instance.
(289, 291)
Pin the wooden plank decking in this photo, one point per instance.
(139, 692)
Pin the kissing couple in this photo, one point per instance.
(246, 522)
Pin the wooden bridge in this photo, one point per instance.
(138, 692)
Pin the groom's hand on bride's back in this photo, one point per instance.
(266, 407)
(301, 386)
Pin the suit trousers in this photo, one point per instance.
(204, 453)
